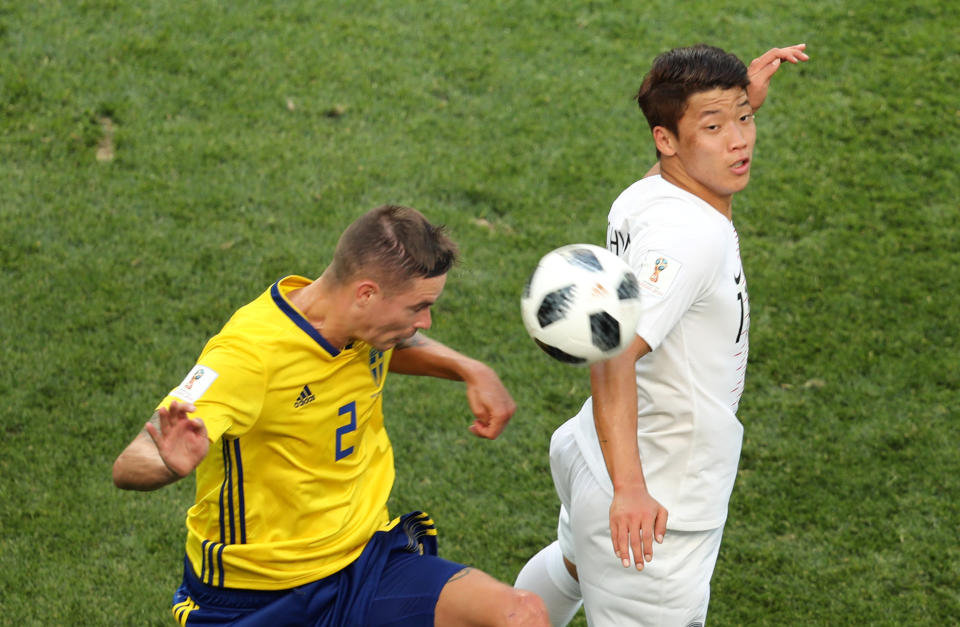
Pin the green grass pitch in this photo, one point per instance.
(161, 163)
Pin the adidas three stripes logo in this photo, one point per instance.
(306, 396)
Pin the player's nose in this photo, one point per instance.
(424, 320)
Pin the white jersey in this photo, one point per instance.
(696, 318)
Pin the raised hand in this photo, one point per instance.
(181, 441)
(762, 69)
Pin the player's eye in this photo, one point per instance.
(746, 117)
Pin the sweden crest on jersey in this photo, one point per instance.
(376, 365)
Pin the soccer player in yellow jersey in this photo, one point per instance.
(282, 420)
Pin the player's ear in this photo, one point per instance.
(665, 141)
(365, 291)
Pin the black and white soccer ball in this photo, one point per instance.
(581, 304)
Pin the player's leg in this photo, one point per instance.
(673, 589)
(474, 598)
(414, 587)
(548, 572)
(547, 575)
(425, 590)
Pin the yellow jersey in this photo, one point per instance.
(300, 466)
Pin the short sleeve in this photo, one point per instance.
(226, 385)
(674, 261)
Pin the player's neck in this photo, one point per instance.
(675, 174)
(318, 304)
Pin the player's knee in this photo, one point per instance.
(525, 609)
(572, 569)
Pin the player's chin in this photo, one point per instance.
(739, 182)
(396, 341)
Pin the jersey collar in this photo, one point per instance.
(299, 320)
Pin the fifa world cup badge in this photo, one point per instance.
(193, 386)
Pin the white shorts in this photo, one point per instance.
(673, 589)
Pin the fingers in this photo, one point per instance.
(792, 54)
(152, 432)
(762, 75)
(181, 409)
(482, 430)
(177, 412)
(638, 541)
(766, 65)
(660, 525)
(166, 420)
(795, 53)
(627, 540)
(482, 424)
(492, 413)
(621, 544)
(494, 409)
(642, 546)
(488, 428)
(762, 69)
(196, 425)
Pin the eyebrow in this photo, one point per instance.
(424, 303)
(708, 112)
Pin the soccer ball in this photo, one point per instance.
(581, 304)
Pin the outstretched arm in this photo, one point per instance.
(489, 399)
(170, 446)
(636, 518)
(762, 69)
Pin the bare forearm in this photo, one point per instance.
(613, 385)
(419, 355)
(489, 400)
(615, 418)
(140, 467)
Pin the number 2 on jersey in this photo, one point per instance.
(349, 408)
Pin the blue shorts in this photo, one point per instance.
(395, 581)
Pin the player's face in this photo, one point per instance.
(398, 315)
(715, 139)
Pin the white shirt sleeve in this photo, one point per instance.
(675, 260)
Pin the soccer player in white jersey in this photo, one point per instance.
(651, 457)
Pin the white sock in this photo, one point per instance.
(546, 575)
